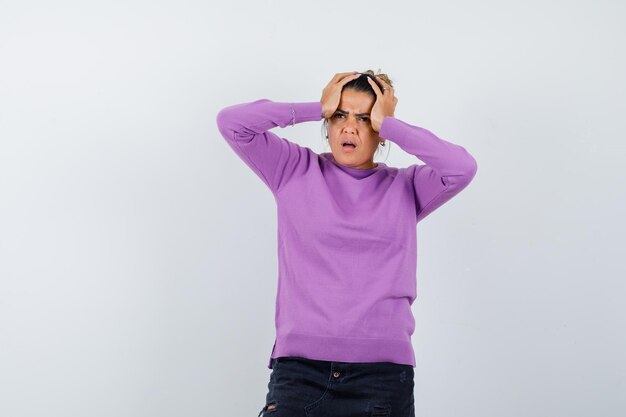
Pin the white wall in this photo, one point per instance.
(138, 253)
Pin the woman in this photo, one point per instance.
(347, 246)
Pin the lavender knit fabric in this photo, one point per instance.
(347, 241)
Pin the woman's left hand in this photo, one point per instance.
(385, 104)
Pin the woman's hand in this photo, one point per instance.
(385, 104)
(331, 95)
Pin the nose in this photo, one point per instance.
(350, 126)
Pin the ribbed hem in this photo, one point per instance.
(340, 349)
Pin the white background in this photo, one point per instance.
(138, 257)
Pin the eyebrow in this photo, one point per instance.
(356, 114)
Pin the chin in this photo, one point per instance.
(343, 156)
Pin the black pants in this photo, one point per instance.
(301, 387)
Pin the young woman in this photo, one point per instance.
(347, 246)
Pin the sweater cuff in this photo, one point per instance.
(386, 130)
(308, 111)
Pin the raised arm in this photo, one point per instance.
(449, 167)
(246, 129)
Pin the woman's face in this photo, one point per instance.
(351, 122)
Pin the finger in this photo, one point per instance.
(385, 86)
(384, 83)
(340, 75)
(349, 78)
(374, 86)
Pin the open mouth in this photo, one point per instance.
(348, 146)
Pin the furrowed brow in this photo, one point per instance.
(356, 114)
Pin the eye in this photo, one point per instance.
(364, 118)
(337, 115)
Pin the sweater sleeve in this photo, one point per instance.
(273, 159)
(449, 167)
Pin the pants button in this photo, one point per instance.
(336, 374)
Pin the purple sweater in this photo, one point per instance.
(347, 247)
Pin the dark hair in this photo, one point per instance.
(361, 84)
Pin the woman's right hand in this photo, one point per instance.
(331, 95)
